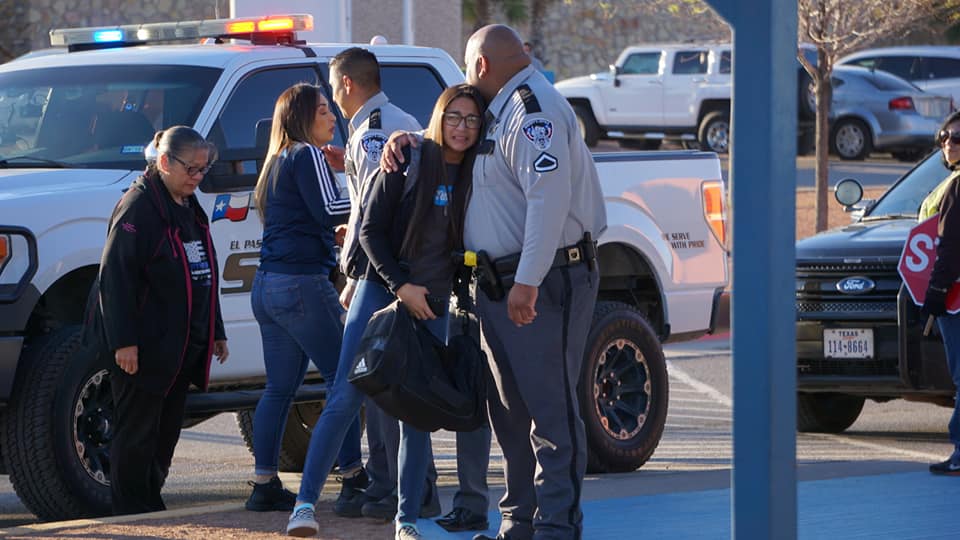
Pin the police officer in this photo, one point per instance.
(536, 202)
(355, 83)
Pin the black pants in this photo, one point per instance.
(146, 431)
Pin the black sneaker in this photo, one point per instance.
(352, 497)
(461, 519)
(949, 467)
(270, 497)
(385, 508)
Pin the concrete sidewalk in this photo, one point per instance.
(865, 500)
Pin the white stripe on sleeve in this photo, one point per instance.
(332, 201)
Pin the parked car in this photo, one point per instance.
(657, 92)
(848, 288)
(935, 69)
(874, 110)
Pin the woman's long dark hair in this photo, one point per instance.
(433, 172)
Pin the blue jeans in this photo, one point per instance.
(299, 317)
(343, 407)
(950, 330)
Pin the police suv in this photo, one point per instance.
(74, 121)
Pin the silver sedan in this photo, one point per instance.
(878, 111)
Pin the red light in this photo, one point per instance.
(241, 27)
(901, 104)
(272, 25)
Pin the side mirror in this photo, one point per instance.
(615, 72)
(848, 192)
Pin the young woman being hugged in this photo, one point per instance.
(412, 223)
(294, 301)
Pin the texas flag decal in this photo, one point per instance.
(232, 207)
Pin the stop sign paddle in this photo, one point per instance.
(916, 265)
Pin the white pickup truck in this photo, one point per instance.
(657, 92)
(73, 125)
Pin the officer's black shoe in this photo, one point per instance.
(461, 519)
(485, 537)
(385, 508)
(270, 497)
(352, 498)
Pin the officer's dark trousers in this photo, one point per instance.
(533, 404)
(146, 430)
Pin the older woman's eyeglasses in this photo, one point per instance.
(453, 119)
(945, 134)
(193, 171)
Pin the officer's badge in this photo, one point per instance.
(539, 132)
(372, 144)
(545, 163)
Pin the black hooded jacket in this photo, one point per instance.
(145, 288)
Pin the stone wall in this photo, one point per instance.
(437, 23)
(580, 37)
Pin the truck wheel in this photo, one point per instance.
(851, 139)
(588, 125)
(827, 413)
(623, 389)
(58, 429)
(296, 435)
(714, 132)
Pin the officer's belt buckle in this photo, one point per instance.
(573, 254)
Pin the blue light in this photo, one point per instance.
(103, 36)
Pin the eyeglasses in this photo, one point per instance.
(192, 171)
(945, 134)
(453, 119)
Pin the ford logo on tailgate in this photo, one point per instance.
(856, 285)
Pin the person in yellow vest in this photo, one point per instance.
(945, 199)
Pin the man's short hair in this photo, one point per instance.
(360, 65)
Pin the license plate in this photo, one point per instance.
(848, 343)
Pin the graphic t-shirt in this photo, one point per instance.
(201, 277)
(433, 265)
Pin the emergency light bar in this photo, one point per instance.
(271, 29)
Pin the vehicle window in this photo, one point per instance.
(725, 62)
(901, 66)
(884, 81)
(905, 196)
(95, 116)
(413, 88)
(690, 62)
(253, 100)
(642, 64)
(940, 68)
(869, 63)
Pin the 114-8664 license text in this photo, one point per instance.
(848, 343)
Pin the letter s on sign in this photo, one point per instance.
(234, 269)
(917, 260)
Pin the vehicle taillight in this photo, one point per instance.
(901, 104)
(4, 250)
(714, 210)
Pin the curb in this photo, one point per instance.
(116, 520)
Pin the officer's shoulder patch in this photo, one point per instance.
(372, 144)
(545, 163)
(539, 131)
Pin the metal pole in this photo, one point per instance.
(408, 22)
(763, 166)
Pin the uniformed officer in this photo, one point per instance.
(535, 194)
(355, 83)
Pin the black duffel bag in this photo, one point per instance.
(413, 377)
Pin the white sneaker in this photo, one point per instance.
(302, 522)
(407, 531)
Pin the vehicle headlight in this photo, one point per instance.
(18, 261)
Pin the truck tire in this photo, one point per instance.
(623, 389)
(588, 125)
(714, 132)
(57, 431)
(851, 139)
(296, 434)
(827, 413)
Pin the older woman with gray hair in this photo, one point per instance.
(160, 312)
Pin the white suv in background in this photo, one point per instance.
(935, 69)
